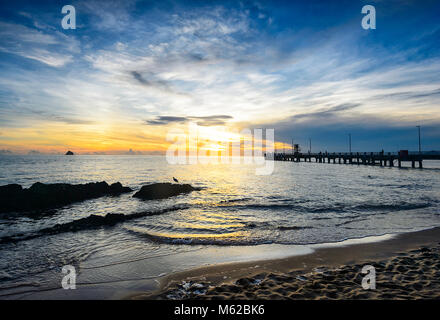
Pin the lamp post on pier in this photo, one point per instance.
(420, 145)
(349, 142)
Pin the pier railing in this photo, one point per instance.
(360, 158)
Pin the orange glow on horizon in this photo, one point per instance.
(115, 138)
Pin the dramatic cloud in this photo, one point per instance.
(306, 73)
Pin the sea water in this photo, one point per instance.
(236, 216)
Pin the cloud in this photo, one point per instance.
(326, 113)
(410, 94)
(53, 49)
(153, 83)
(215, 120)
(109, 15)
(46, 57)
(70, 120)
(15, 33)
(136, 60)
(60, 116)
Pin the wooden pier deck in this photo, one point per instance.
(358, 158)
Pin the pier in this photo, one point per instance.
(358, 158)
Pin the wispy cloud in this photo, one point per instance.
(150, 81)
(326, 113)
(214, 120)
(109, 15)
(54, 49)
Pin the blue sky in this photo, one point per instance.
(132, 69)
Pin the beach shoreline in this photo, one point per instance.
(407, 266)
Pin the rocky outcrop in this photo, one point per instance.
(69, 153)
(88, 223)
(163, 190)
(40, 196)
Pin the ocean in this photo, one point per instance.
(237, 215)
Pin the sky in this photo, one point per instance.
(133, 70)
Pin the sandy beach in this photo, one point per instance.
(407, 267)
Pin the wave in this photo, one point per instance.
(138, 259)
(393, 207)
(221, 241)
(235, 200)
(285, 228)
(338, 208)
(91, 222)
(258, 206)
(349, 221)
(111, 219)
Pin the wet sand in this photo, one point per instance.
(407, 267)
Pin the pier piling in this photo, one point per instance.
(379, 158)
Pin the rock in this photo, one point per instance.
(9, 190)
(91, 222)
(69, 153)
(117, 188)
(163, 190)
(42, 196)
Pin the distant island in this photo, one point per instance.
(69, 153)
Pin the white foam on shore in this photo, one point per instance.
(281, 251)
(353, 241)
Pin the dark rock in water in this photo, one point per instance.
(117, 188)
(90, 222)
(44, 196)
(163, 190)
(69, 153)
(9, 190)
